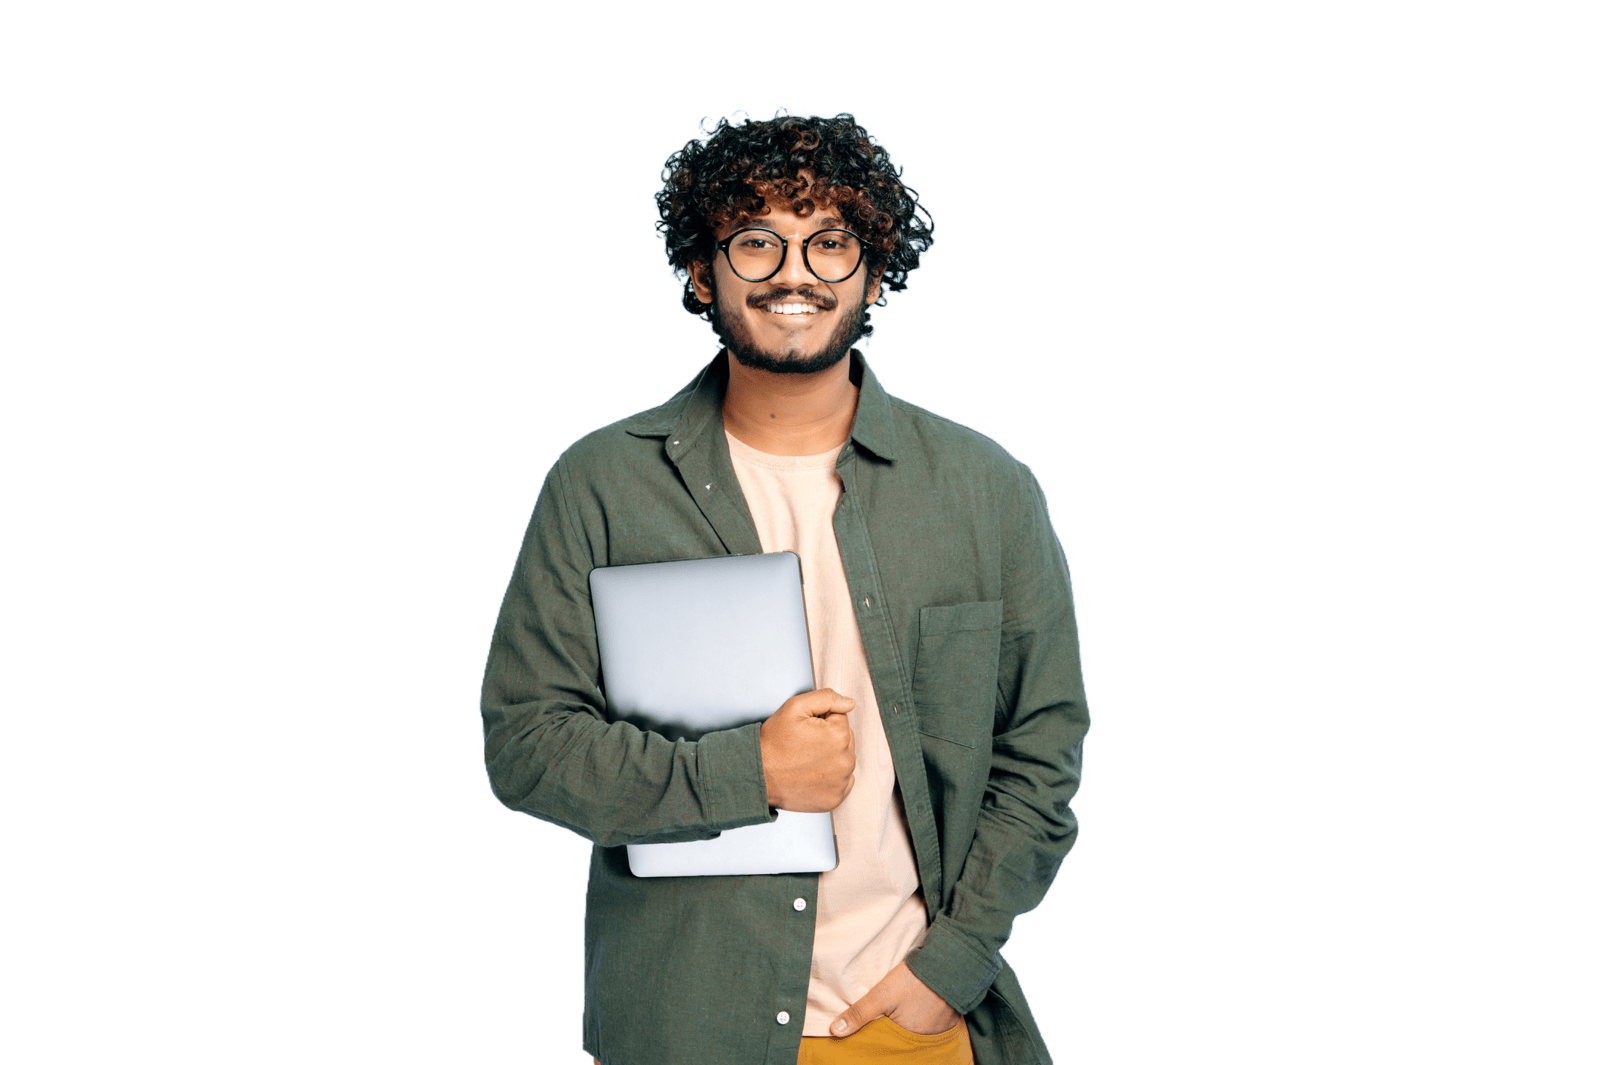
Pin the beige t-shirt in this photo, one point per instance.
(870, 911)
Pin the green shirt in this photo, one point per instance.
(962, 597)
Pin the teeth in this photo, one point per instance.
(792, 308)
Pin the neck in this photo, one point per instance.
(790, 414)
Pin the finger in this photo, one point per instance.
(824, 702)
(868, 1008)
(838, 702)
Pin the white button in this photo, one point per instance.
(783, 1016)
(799, 904)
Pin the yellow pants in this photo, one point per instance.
(883, 1040)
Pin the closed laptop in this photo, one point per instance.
(696, 646)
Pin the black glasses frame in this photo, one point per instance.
(783, 257)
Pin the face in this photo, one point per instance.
(792, 322)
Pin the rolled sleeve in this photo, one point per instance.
(953, 966)
(733, 778)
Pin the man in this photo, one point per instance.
(946, 730)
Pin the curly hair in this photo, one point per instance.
(806, 161)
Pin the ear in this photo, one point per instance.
(700, 278)
(874, 286)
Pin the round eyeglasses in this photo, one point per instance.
(756, 253)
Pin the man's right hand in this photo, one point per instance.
(808, 752)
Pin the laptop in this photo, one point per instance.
(699, 645)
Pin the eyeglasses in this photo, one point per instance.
(756, 253)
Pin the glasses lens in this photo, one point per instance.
(833, 254)
(755, 254)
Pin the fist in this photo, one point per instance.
(808, 753)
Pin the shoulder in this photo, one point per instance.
(932, 439)
(643, 434)
(962, 469)
(632, 444)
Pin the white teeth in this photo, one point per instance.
(792, 308)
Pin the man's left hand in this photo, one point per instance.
(903, 999)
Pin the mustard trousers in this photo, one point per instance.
(883, 1041)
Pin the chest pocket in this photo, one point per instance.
(958, 659)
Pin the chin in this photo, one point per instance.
(735, 336)
(792, 362)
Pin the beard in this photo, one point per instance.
(736, 338)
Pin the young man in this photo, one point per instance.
(946, 731)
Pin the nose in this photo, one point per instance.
(793, 274)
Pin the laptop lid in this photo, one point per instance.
(698, 645)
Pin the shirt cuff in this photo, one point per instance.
(732, 782)
(952, 967)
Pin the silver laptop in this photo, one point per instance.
(704, 644)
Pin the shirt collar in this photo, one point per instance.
(697, 407)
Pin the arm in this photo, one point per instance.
(1025, 826)
(550, 750)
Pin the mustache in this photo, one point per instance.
(803, 295)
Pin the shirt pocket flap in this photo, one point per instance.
(962, 617)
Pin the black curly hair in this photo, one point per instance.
(833, 161)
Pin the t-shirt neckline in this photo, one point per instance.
(744, 452)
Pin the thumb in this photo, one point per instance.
(825, 702)
(839, 704)
(867, 1008)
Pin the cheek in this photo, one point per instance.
(872, 288)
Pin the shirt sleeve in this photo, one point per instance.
(549, 749)
(1026, 824)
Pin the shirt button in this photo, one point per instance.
(783, 1016)
(799, 904)
(867, 602)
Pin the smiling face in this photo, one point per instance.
(792, 322)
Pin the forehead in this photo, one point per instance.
(780, 216)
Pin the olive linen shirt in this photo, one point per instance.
(964, 606)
